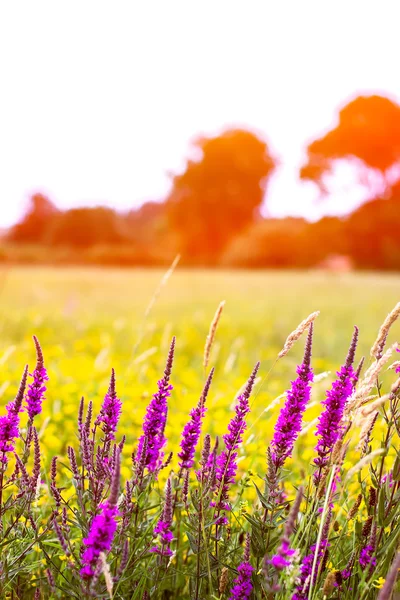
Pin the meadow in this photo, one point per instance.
(89, 321)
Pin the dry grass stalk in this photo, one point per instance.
(380, 341)
(223, 581)
(297, 333)
(211, 334)
(364, 462)
(329, 584)
(374, 406)
(163, 282)
(105, 567)
(368, 382)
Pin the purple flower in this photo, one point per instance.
(288, 425)
(163, 527)
(366, 556)
(242, 586)
(397, 370)
(103, 527)
(191, 431)
(306, 568)
(304, 584)
(156, 418)
(226, 461)
(329, 428)
(110, 411)
(100, 538)
(9, 423)
(280, 559)
(36, 389)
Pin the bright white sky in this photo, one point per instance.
(99, 100)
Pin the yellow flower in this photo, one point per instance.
(378, 583)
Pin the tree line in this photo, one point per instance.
(212, 213)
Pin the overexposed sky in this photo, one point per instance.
(99, 100)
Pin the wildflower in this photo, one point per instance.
(226, 462)
(163, 527)
(366, 557)
(288, 425)
(242, 586)
(280, 559)
(156, 418)
(110, 411)
(103, 528)
(9, 423)
(307, 576)
(36, 390)
(378, 583)
(191, 431)
(328, 427)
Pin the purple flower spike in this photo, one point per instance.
(103, 528)
(226, 461)
(242, 586)
(329, 428)
(9, 423)
(163, 527)
(37, 388)
(288, 425)
(156, 418)
(192, 430)
(110, 411)
(281, 559)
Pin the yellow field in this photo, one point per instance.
(91, 320)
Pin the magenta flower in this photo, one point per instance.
(37, 388)
(163, 528)
(288, 425)
(156, 418)
(192, 430)
(100, 538)
(242, 586)
(110, 411)
(329, 428)
(226, 461)
(103, 527)
(397, 370)
(306, 571)
(9, 423)
(280, 560)
(366, 556)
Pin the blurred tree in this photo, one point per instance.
(368, 134)
(84, 227)
(35, 223)
(372, 233)
(220, 192)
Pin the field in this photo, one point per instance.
(102, 524)
(91, 320)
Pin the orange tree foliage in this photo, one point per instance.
(219, 193)
(368, 132)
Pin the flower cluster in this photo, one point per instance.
(37, 388)
(110, 411)
(226, 465)
(163, 527)
(329, 422)
(288, 425)
(9, 423)
(242, 585)
(192, 430)
(156, 419)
